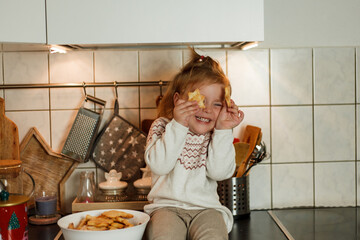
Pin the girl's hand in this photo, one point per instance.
(229, 117)
(183, 110)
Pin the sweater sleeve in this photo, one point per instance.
(165, 143)
(220, 164)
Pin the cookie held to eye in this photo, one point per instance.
(196, 96)
(227, 96)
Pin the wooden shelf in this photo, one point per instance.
(133, 205)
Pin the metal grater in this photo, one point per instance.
(83, 132)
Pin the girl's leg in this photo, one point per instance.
(208, 224)
(165, 224)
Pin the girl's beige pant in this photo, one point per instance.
(179, 224)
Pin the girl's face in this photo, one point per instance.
(204, 120)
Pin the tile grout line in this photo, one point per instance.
(356, 128)
(313, 120)
(270, 133)
(50, 114)
(139, 92)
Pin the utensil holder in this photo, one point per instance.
(234, 194)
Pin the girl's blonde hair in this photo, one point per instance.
(198, 71)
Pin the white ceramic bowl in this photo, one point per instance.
(136, 232)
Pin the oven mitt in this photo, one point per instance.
(120, 146)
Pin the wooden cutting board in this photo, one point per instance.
(9, 136)
(49, 169)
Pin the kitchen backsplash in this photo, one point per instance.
(306, 101)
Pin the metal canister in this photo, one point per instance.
(14, 219)
(13, 201)
(234, 194)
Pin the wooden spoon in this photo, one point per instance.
(241, 150)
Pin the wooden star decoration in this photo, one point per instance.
(49, 169)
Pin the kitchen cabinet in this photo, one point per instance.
(154, 22)
(22, 21)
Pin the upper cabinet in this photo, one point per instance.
(22, 21)
(154, 21)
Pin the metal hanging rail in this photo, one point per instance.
(82, 85)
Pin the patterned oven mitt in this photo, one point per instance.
(120, 146)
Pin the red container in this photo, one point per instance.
(14, 220)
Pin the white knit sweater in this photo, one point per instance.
(186, 167)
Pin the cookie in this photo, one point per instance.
(196, 96)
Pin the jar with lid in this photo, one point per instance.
(13, 200)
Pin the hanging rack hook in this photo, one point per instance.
(161, 84)
(158, 99)
(84, 88)
(116, 92)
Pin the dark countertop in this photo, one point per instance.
(258, 226)
(299, 224)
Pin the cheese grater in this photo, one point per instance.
(83, 131)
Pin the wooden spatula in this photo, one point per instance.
(241, 150)
(251, 136)
(9, 136)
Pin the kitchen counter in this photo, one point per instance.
(298, 224)
(258, 226)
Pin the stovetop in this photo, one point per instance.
(319, 223)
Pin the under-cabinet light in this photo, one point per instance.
(58, 49)
(249, 45)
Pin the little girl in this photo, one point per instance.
(188, 150)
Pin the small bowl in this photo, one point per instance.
(136, 232)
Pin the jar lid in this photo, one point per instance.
(113, 185)
(10, 168)
(14, 200)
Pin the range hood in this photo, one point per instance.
(95, 24)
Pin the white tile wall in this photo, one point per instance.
(120, 66)
(27, 99)
(302, 99)
(260, 187)
(292, 134)
(25, 120)
(292, 185)
(159, 65)
(73, 67)
(334, 75)
(334, 132)
(61, 122)
(335, 184)
(25, 67)
(291, 76)
(248, 72)
(156, 66)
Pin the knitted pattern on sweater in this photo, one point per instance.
(186, 167)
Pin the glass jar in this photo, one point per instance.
(13, 201)
(12, 178)
(86, 193)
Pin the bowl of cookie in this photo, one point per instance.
(104, 224)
